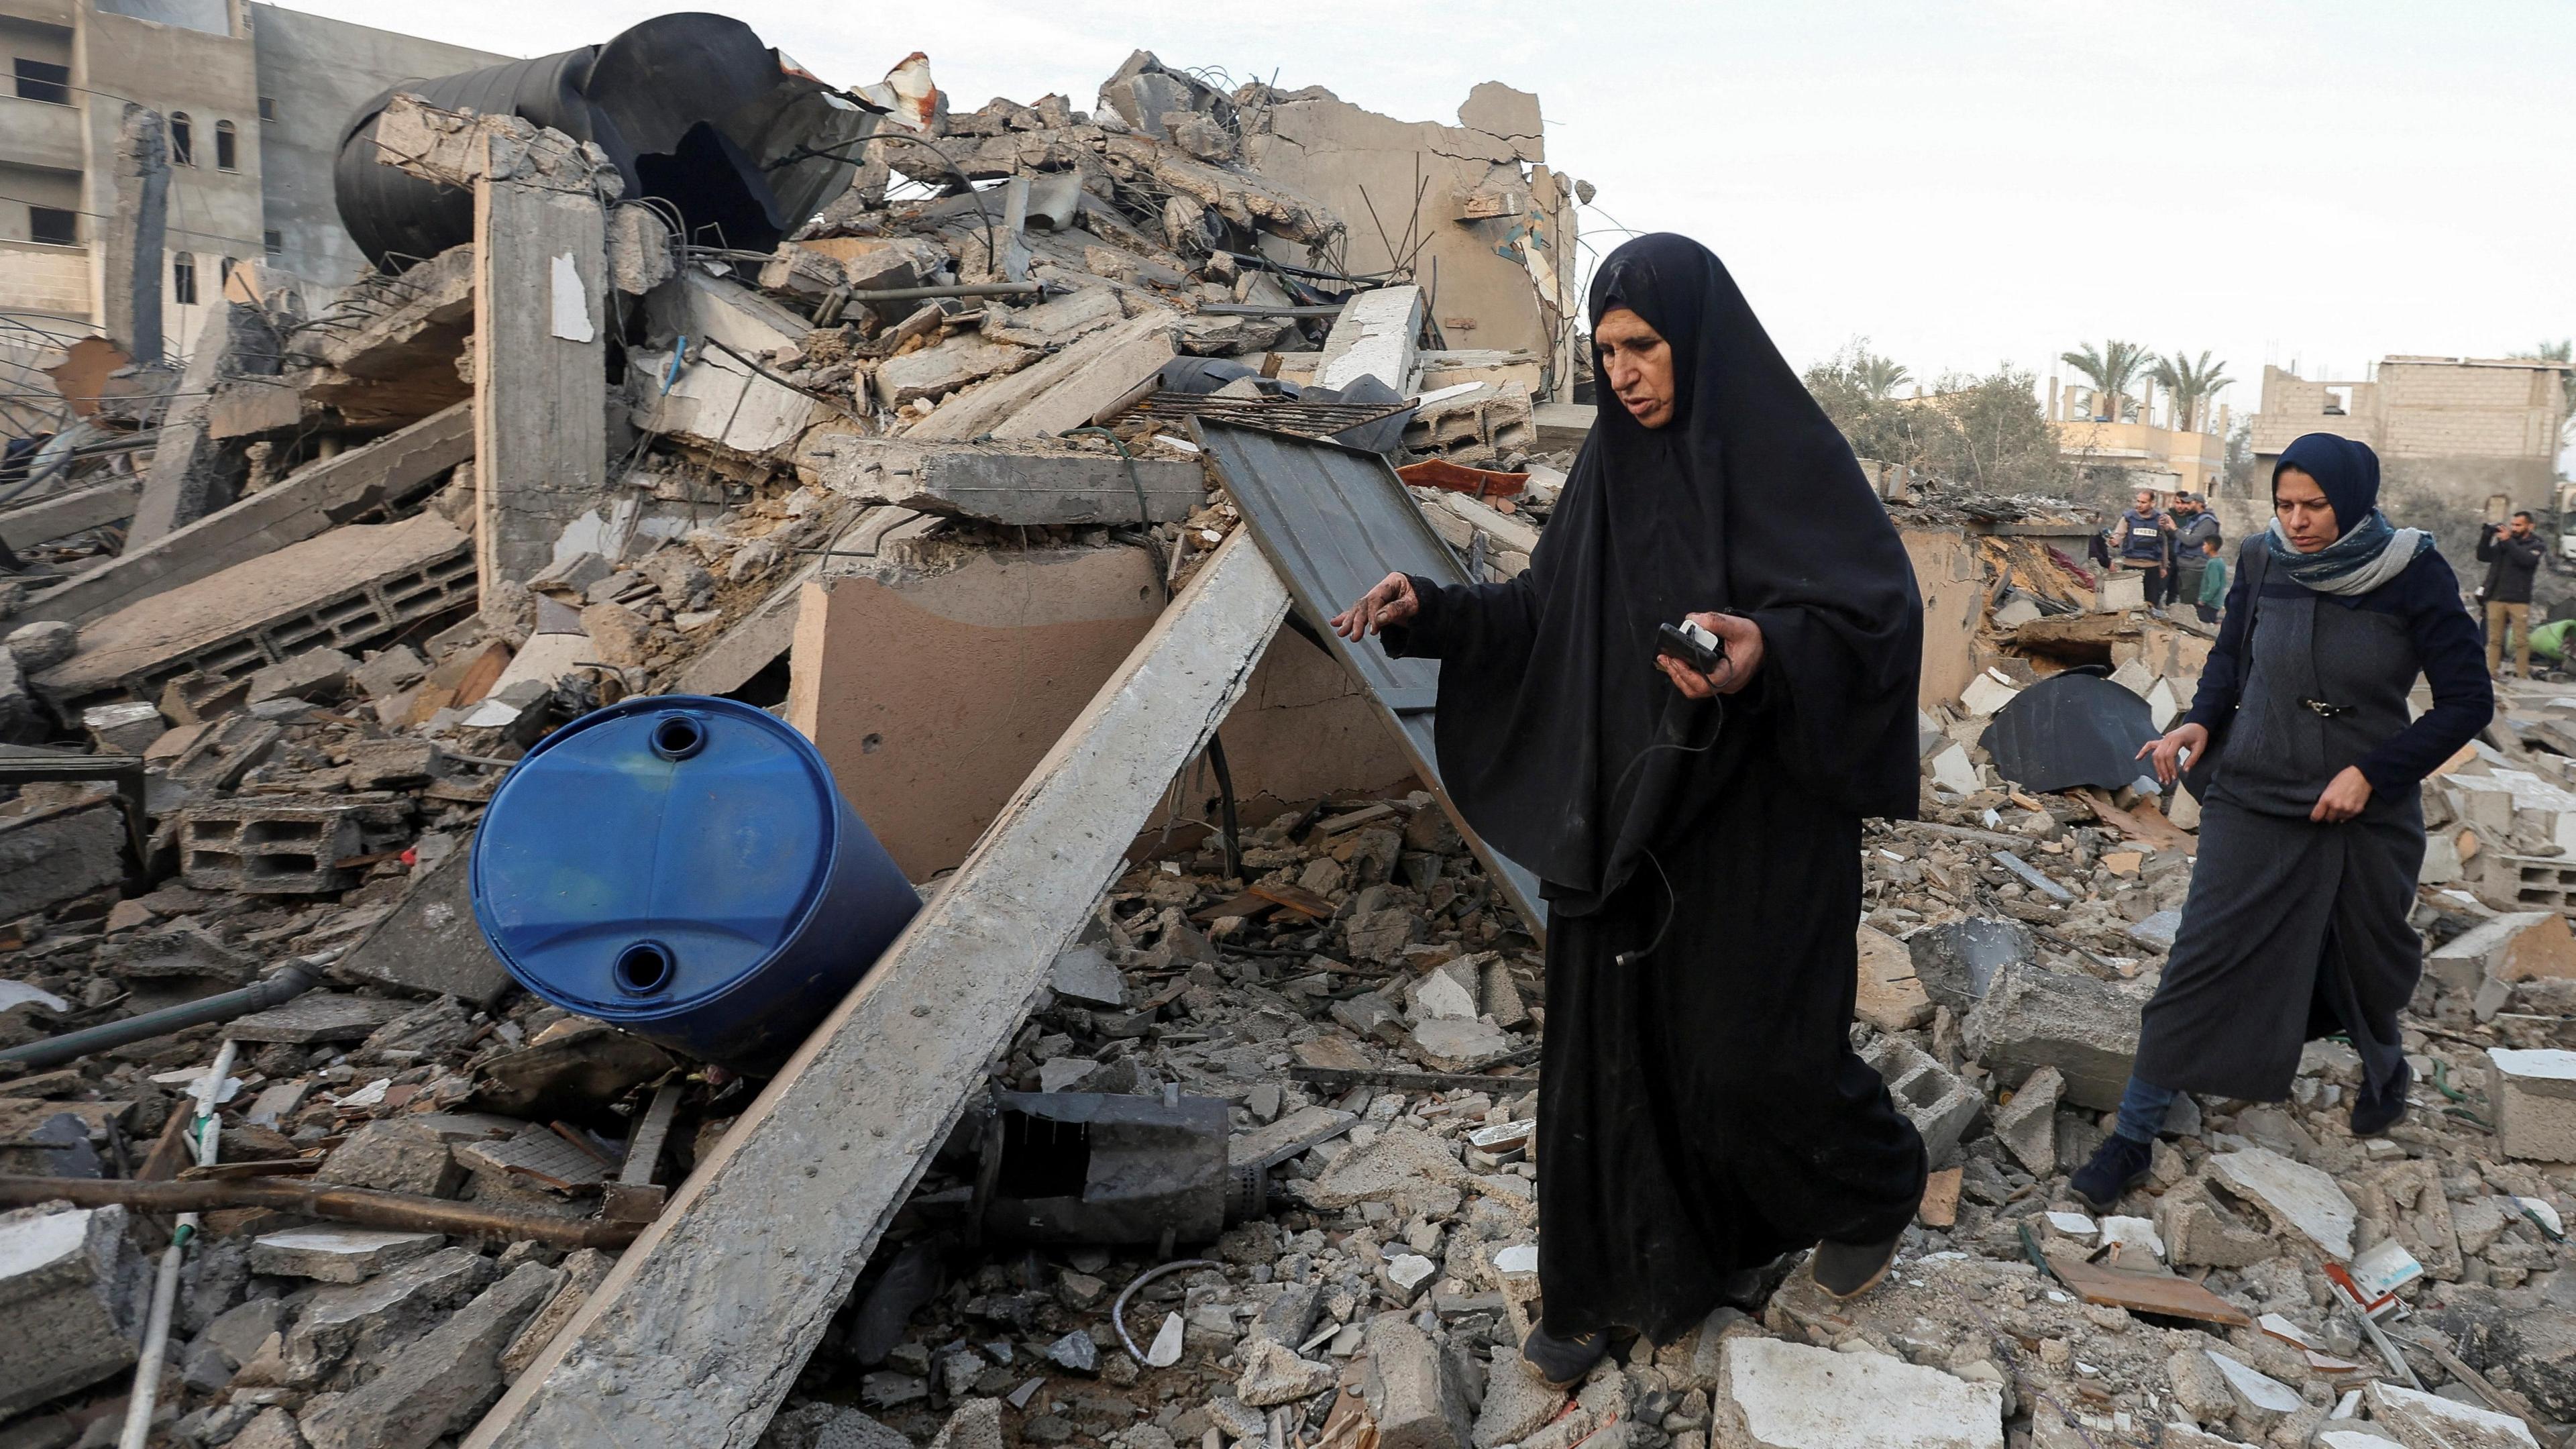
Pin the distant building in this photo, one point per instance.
(2167, 459)
(2460, 440)
(255, 97)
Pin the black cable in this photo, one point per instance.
(1672, 903)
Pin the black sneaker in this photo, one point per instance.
(1563, 1362)
(1848, 1270)
(2374, 1113)
(2118, 1165)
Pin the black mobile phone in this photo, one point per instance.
(1691, 645)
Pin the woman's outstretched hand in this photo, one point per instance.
(1743, 639)
(2344, 798)
(1391, 602)
(2191, 737)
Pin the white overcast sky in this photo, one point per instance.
(1962, 184)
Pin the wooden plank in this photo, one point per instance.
(703, 1326)
(2169, 1296)
(539, 394)
(311, 502)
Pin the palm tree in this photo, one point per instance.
(2190, 383)
(1879, 376)
(2111, 370)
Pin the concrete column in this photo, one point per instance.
(130, 281)
(540, 371)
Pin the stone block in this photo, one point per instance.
(583, 1271)
(70, 1295)
(935, 372)
(2027, 1125)
(1398, 1161)
(2429, 1421)
(374, 1318)
(1778, 1395)
(1891, 997)
(319, 675)
(1412, 1389)
(2298, 1198)
(440, 1383)
(2199, 1232)
(394, 1155)
(2031, 1017)
(2534, 1096)
(393, 764)
(430, 942)
(2516, 946)
(1517, 1402)
(391, 670)
(47, 859)
(42, 645)
(127, 728)
(1940, 1106)
(334, 1254)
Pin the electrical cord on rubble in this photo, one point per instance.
(1672, 903)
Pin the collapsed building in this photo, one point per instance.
(1015, 476)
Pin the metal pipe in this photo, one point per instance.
(319, 1200)
(165, 1288)
(953, 289)
(53, 1051)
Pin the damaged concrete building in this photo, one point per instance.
(1010, 456)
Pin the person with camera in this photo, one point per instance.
(1692, 804)
(2512, 556)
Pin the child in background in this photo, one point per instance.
(2213, 583)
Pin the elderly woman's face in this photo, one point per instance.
(2305, 514)
(1638, 364)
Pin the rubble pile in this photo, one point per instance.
(279, 710)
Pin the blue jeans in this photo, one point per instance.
(2142, 1110)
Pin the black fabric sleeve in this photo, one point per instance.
(2454, 663)
(2222, 677)
(2487, 538)
(1464, 621)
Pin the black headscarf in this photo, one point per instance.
(1747, 500)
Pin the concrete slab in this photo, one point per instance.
(1778, 1395)
(333, 1254)
(345, 588)
(2299, 1197)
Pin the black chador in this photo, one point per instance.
(1701, 1110)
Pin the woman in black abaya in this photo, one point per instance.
(1701, 1112)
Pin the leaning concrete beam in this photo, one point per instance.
(349, 587)
(1029, 482)
(1061, 392)
(1374, 337)
(702, 1327)
(311, 502)
(52, 517)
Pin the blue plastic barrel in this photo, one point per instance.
(683, 868)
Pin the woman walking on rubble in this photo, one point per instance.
(2312, 826)
(1701, 1111)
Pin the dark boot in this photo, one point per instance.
(1564, 1361)
(2118, 1165)
(2376, 1112)
(1847, 1270)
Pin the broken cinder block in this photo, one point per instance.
(1940, 1106)
(268, 845)
(2534, 1095)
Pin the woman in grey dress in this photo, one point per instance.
(2312, 823)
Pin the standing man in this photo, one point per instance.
(2142, 541)
(2511, 558)
(2196, 529)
